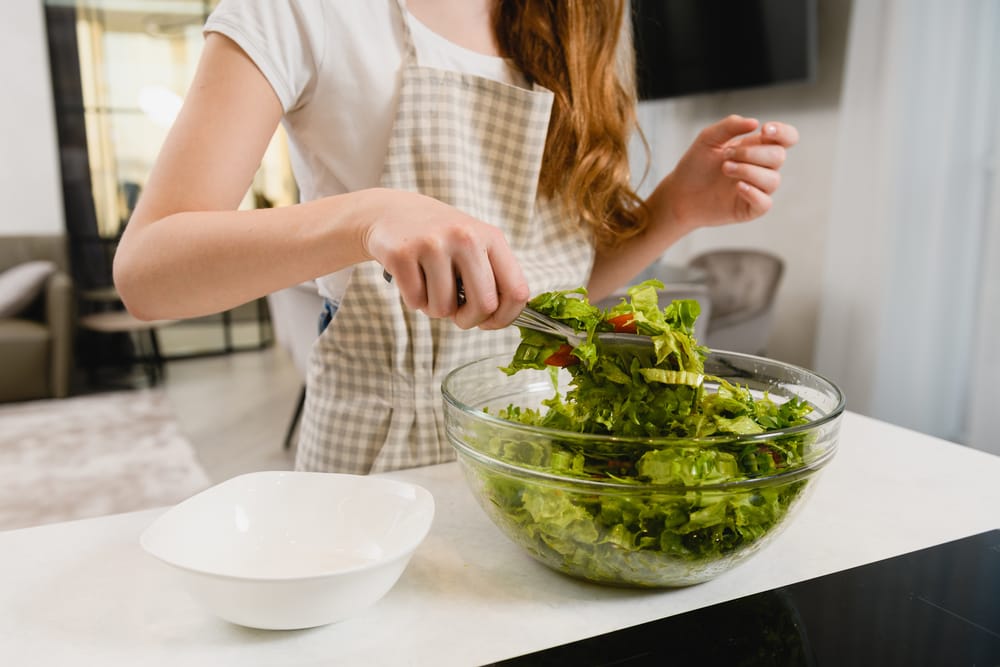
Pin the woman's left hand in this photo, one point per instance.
(727, 175)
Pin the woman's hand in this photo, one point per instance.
(727, 175)
(427, 245)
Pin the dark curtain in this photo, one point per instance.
(90, 255)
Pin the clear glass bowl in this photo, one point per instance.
(626, 532)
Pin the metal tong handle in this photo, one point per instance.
(532, 319)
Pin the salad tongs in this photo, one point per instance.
(529, 318)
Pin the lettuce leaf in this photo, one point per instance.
(657, 394)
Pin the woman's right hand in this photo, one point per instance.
(188, 251)
(427, 245)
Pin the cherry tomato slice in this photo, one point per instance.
(562, 357)
(624, 323)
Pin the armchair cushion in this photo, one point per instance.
(20, 285)
(25, 360)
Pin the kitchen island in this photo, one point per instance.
(84, 592)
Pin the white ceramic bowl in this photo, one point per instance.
(288, 550)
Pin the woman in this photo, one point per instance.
(433, 140)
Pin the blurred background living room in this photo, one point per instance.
(880, 259)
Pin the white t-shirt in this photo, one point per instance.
(335, 66)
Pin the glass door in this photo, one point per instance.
(120, 71)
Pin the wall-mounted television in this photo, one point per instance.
(684, 47)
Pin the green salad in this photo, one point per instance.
(641, 397)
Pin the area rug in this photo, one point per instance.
(92, 455)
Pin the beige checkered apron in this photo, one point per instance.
(373, 401)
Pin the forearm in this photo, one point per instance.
(617, 266)
(196, 263)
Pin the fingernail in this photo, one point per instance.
(729, 167)
(771, 130)
(729, 153)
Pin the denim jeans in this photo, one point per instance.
(326, 315)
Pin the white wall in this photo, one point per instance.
(796, 227)
(30, 186)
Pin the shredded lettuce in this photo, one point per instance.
(624, 537)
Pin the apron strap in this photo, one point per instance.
(409, 49)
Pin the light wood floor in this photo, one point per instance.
(235, 409)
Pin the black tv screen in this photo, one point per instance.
(685, 47)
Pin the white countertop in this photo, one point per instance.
(84, 593)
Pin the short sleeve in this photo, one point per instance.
(284, 39)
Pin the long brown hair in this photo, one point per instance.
(581, 51)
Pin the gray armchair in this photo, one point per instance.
(743, 284)
(36, 344)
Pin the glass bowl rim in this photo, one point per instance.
(831, 416)
(585, 485)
